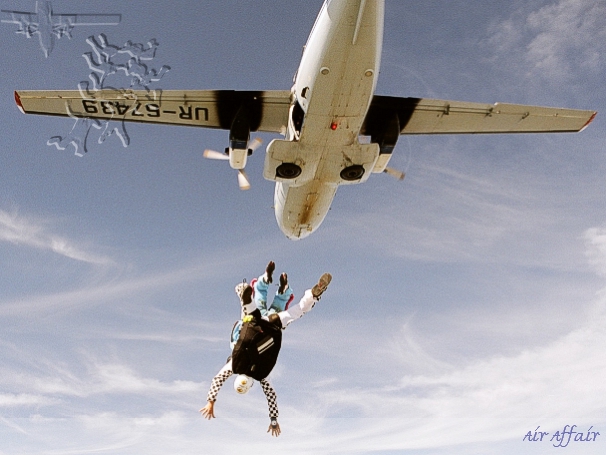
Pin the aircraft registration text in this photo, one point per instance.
(144, 110)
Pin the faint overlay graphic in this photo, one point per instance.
(115, 69)
(77, 136)
(50, 26)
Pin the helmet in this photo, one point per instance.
(243, 383)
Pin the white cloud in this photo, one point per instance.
(411, 356)
(595, 239)
(107, 291)
(555, 43)
(107, 379)
(493, 399)
(11, 400)
(469, 216)
(216, 266)
(167, 337)
(567, 34)
(34, 234)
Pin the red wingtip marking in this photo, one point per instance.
(18, 101)
(589, 121)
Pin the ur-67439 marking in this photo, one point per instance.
(143, 109)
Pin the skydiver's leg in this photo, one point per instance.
(244, 292)
(261, 285)
(283, 298)
(306, 303)
(294, 312)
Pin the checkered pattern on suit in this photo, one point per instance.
(217, 383)
(272, 399)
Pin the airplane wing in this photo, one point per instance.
(88, 19)
(267, 111)
(27, 22)
(63, 24)
(21, 17)
(429, 116)
(16, 17)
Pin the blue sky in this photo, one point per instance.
(468, 302)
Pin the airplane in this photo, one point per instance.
(48, 25)
(329, 109)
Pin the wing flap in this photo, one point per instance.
(431, 116)
(267, 110)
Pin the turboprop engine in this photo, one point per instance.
(240, 146)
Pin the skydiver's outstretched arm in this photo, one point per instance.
(272, 402)
(272, 399)
(216, 384)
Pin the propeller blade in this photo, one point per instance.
(395, 173)
(213, 155)
(254, 144)
(243, 180)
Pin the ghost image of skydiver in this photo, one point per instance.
(271, 325)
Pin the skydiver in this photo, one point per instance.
(280, 320)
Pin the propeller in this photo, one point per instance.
(254, 144)
(395, 173)
(214, 155)
(243, 181)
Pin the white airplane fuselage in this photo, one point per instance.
(44, 11)
(333, 88)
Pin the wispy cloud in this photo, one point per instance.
(21, 230)
(567, 34)
(473, 216)
(492, 399)
(101, 379)
(554, 43)
(211, 267)
(166, 337)
(595, 239)
(11, 400)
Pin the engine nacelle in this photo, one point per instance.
(239, 136)
(296, 163)
(237, 157)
